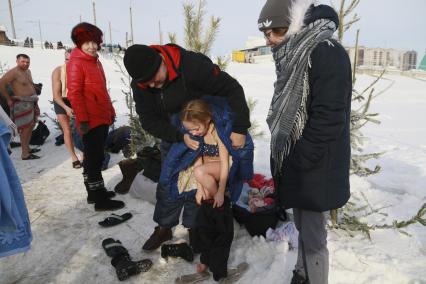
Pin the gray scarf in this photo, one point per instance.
(288, 111)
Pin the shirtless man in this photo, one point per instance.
(23, 106)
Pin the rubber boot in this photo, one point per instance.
(129, 171)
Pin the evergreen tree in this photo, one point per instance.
(360, 115)
(139, 137)
(200, 39)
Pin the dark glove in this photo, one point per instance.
(84, 127)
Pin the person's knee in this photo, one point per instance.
(199, 172)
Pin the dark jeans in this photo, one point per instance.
(94, 144)
(167, 211)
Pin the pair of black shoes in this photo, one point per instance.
(121, 260)
(182, 250)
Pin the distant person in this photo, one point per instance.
(23, 105)
(309, 120)
(63, 108)
(93, 110)
(165, 77)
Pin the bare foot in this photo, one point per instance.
(201, 267)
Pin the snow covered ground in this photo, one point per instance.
(67, 240)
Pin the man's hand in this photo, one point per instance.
(69, 112)
(190, 143)
(238, 140)
(84, 127)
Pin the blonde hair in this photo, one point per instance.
(196, 110)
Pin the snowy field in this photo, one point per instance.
(67, 239)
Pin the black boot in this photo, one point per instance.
(129, 171)
(96, 193)
(159, 236)
(109, 194)
(124, 266)
(90, 197)
(298, 279)
(182, 250)
(103, 203)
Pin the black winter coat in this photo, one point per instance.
(196, 76)
(315, 175)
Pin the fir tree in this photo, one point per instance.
(200, 39)
(139, 137)
(360, 116)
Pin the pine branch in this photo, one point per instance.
(374, 82)
(351, 7)
(254, 128)
(172, 38)
(349, 24)
(188, 11)
(211, 34)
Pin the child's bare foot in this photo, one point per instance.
(201, 267)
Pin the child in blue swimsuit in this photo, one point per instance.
(213, 231)
(212, 167)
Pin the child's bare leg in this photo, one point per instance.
(208, 175)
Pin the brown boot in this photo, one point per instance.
(159, 236)
(129, 170)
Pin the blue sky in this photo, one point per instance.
(384, 23)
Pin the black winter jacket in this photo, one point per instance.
(315, 175)
(196, 76)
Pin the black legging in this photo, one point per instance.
(94, 144)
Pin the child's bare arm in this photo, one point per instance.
(224, 170)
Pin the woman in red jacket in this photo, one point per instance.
(93, 110)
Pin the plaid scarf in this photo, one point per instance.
(288, 111)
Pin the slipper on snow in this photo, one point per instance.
(115, 219)
(31, 157)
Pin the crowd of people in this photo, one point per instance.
(200, 114)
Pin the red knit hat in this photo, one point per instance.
(85, 32)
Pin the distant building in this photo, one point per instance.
(369, 58)
(383, 58)
(255, 50)
(422, 65)
(3, 37)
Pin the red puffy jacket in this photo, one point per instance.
(87, 90)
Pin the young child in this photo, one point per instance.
(212, 166)
(214, 224)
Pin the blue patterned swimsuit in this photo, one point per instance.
(210, 150)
